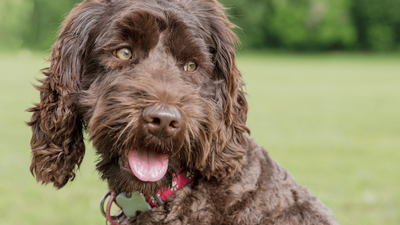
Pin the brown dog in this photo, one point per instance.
(155, 84)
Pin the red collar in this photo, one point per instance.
(183, 178)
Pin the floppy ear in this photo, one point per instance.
(227, 155)
(57, 140)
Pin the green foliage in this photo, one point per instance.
(304, 25)
(252, 18)
(46, 19)
(378, 24)
(14, 22)
(31, 23)
(317, 24)
(295, 24)
(380, 37)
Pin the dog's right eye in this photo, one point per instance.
(190, 67)
(123, 54)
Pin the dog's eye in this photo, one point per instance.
(123, 54)
(190, 67)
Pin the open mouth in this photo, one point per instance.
(148, 165)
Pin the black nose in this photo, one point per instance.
(162, 120)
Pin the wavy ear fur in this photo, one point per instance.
(228, 154)
(57, 140)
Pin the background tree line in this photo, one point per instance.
(301, 25)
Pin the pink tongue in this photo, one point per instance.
(148, 165)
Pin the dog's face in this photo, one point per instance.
(156, 86)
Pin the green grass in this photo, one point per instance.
(333, 120)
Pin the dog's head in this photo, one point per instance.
(156, 86)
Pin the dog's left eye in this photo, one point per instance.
(123, 54)
(190, 67)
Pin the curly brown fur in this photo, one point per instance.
(88, 87)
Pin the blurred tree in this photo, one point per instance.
(252, 18)
(31, 23)
(45, 21)
(284, 24)
(294, 24)
(14, 22)
(377, 23)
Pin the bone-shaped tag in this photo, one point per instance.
(131, 203)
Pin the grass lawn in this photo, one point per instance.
(333, 120)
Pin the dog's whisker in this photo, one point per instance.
(131, 122)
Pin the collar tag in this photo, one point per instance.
(132, 202)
